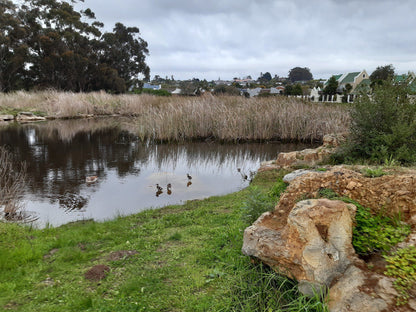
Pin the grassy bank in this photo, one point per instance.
(228, 118)
(179, 258)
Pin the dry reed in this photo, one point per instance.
(183, 118)
(11, 186)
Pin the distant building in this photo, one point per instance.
(353, 79)
(152, 87)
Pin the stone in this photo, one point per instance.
(294, 174)
(346, 296)
(6, 117)
(314, 245)
(28, 117)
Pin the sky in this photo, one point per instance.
(212, 39)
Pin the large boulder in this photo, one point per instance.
(314, 246)
(311, 240)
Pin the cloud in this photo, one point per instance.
(211, 39)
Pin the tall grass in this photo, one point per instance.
(11, 185)
(228, 118)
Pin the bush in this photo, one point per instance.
(156, 92)
(383, 126)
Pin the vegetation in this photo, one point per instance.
(300, 74)
(179, 258)
(372, 232)
(382, 73)
(47, 44)
(402, 266)
(373, 173)
(331, 86)
(184, 118)
(383, 127)
(12, 179)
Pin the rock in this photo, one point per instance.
(334, 140)
(28, 117)
(314, 246)
(346, 294)
(294, 174)
(6, 117)
(393, 193)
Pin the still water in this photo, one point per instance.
(60, 155)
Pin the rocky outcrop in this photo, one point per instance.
(308, 157)
(313, 247)
(310, 240)
(6, 117)
(28, 117)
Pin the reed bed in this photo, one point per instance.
(227, 118)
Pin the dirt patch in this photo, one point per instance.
(51, 253)
(97, 272)
(121, 255)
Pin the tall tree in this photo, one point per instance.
(13, 48)
(48, 44)
(125, 51)
(331, 86)
(300, 74)
(381, 74)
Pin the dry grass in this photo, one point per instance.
(183, 118)
(11, 185)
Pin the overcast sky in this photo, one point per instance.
(211, 39)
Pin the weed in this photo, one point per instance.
(373, 173)
(402, 266)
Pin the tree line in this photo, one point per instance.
(48, 44)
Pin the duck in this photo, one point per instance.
(91, 179)
(189, 177)
(158, 193)
(159, 188)
(168, 188)
(188, 184)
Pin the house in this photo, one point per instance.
(152, 87)
(353, 79)
(277, 90)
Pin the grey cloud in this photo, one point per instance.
(208, 39)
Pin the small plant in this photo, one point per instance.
(376, 233)
(327, 193)
(256, 204)
(402, 266)
(373, 173)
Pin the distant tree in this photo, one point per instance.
(382, 73)
(331, 86)
(226, 90)
(297, 89)
(265, 77)
(288, 90)
(48, 44)
(300, 74)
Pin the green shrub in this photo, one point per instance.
(383, 126)
(259, 202)
(373, 173)
(402, 266)
(372, 232)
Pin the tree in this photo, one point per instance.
(382, 73)
(383, 126)
(300, 74)
(331, 86)
(266, 77)
(48, 44)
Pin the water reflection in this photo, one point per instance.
(131, 175)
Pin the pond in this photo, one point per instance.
(60, 155)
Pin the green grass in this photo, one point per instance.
(188, 259)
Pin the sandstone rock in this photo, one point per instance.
(393, 193)
(334, 140)
(314, 246)
(346, 296)
(294, 174)
(6, 117)
(28, 117)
